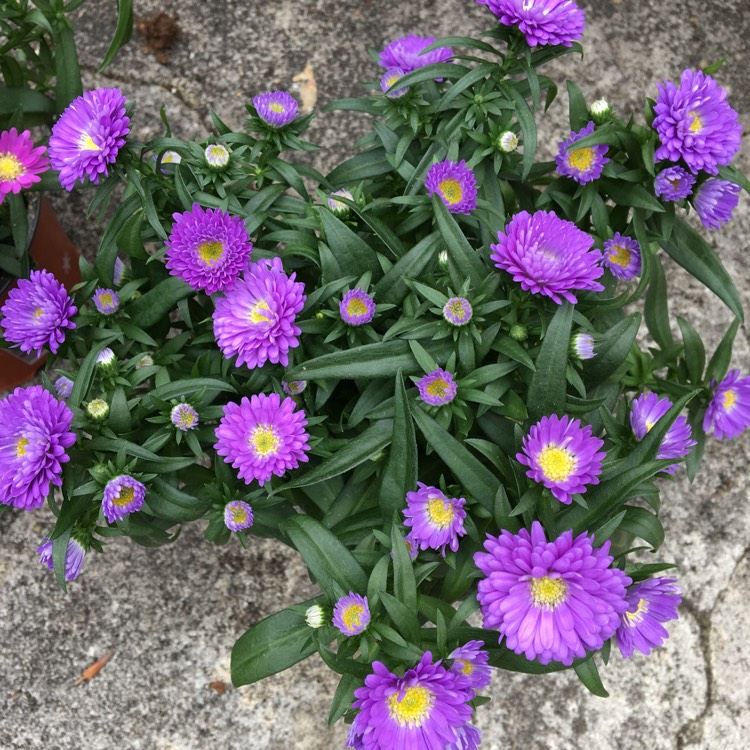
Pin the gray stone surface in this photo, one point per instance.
(171, 615)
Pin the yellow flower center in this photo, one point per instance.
(105, 300)
(438, 387)
(391, 80)
(581, 159)
(440, 512)
(239, 515)
(548, 592)
(457, 309)
(257, 313)
(38, 314)
(414, 707)
(264, 440)
(697, 124)
(186, 418)
(210, 252)
(465, 666)
(730, 398)
(674, 183)
(21, 447)
(125, 497)
(633, 618)
(10, 167)
(356, 307)
(276, 107)
(352, 616)
(451, 191)
(557, 464)
(620, 255)
(86, 143)
(650, 426)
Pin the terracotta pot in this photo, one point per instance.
(53, 251)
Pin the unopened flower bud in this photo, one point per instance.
(582, 346)
(315, 616)
(98, 409)
(217, 156)
(507, 141)
(106, 359)
(443, 259)
(145, 361)
(600, 111)
(339, 208)
(519, 332)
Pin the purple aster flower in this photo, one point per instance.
(255, 319)
(276, 108)
(457, 311)
(471, 661)
(74, 555)
(37, 313)
(674, 184)
(645, 412)
(437, 388)
(650, 603)
(293, 387)
(468, 737)
(695, 122)
(581, 164)
(390, 77)
(454, 182)
(351, 615)
(622, 256)
(405, 53)
(106, 301)
(120, 272)
(541, 21)
(208, 248)
(184, 417)
(729, 410)
(436, 521)
(262, 436)
(88, 136)
(715, 200)
(238, 515)
(562, 455)
(34, 433)
(582, 346)
(123, 495)
(548, 255)
(339, 208)
(426, 709)
(550, 600)
(64, 386)
(357, 307)
(20, 163)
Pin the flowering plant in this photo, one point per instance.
(424, 374)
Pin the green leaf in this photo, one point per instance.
(548, 385)
(122, 34)
(656, 308)
(528, 130)
(612, 350)
(32, 102)
(270, 646)
(469, 471)
(465, 257)
(404, 582)
(392, 288)
(119, 414)
(695, 352)
(364, 166)
(578, 111)
(698, 258)
(166, 501)
(403, 617)
(187, 387)
(328, 560)
(158, 302)
(86, 373)
(111, 445)
(719, 363)
(643, 524)
(354, 255)
(588, 674)
(67, 72)
(343, 697)
(629, 194)
(400, 474)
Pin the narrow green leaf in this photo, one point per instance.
(694, 351)
(465, 257)
(612, 351)
(154, 305)
(122, 34)
(528, 130)
(588, 674)
(119, 413)
(577, 110)
(67, 71)
(404, 582)
(656, 308)
(403, 617)
(719, 362)
(354, 255)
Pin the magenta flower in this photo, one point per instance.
(74, 555)
(542, 22)
(406, 53)
(715, 200)
(106, 301)
(695, 122)
(650, 603)
(468, 737)
(255, 319)
(550, 600)
(454, 182)
(622, 256)
(208, 248)
(436, 521)
(471, 661)
(645, 412)
(729, 411)
(184, 417)
(20, 163)
(276, 108)
(351, 614)
(423, 710)
(437, 388)
(548, 255)
(88, 136)
(581, 164)
(37, 313)
(457, 311)
(123, 495)
(357, 307)
(262, 436)
(389, 78)
(238, 515)
(674, 184)
(34, 435)
(562, 455)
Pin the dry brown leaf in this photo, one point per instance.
(218, 686)
(308, 89)
(93, 669)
